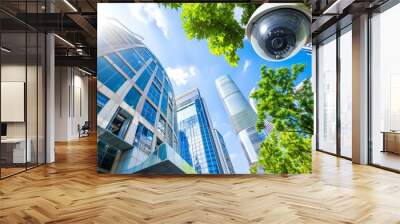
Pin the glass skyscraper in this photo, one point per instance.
(226, 161)
(196, 135)
(242, 117)
(136, 109)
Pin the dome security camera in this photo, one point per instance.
(277, 31)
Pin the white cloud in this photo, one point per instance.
(148, 13)
(193, 70)
(181, 75)
(246, 65)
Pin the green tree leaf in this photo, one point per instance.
(215, 23)
(287, 149)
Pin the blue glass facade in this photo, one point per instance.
(185, 148)
(144, 78)
(132, 88)
(160, 73)
(152, 65)
(133, 58)
(225, 153)
(143, 138)
(154, 94)
(157, 82)
(108, 75)
(149, 112)
(101, 101)
(196, 134)
(133, 97)
(122, 65)
(164, 103)
(145, 53)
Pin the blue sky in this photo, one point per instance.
(189, 63)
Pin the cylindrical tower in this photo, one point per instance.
(241, 115)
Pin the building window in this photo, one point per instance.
(132, 98)
(169, 113)
(149, 112)
(143, 139)
(105, 156)
(152, 65)
(185, 148)
(175, 122)
(160, 73)
(145, 53)
(108, 75)
(169, 136)
(132, 58)
(101, 101)
(154, 94)
(120, 123)
(157, 82)
(161, 125)
(327, 96)
(167, 86)
(144, 79)
(164, 103)
(118, 61)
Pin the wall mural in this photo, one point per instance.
(210, 88)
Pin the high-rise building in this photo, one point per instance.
(197, 140)
(226, 159)
(242, 117)
(136, 109)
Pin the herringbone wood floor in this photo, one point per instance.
(70, 191)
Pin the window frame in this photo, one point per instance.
(335, 37)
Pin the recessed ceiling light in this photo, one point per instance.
(84, 71)
(70, 5)
(5, 50)
(337, 7)
(64, 40)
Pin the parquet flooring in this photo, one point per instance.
(7, 171)
(70, 191)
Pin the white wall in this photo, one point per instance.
(16, 73)
(12, 73)
(61, 103)
(71, 103)
(33, 126)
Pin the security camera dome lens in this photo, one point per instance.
(279, 34)
(280, 41)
